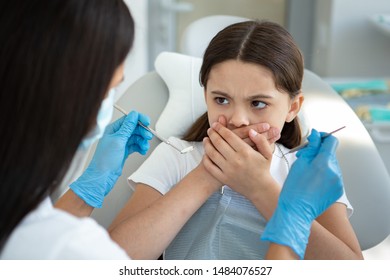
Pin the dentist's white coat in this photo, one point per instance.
(50, 233)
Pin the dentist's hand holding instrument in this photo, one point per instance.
(161, 138)
(323, 136)
(120, 139)
(313, 184)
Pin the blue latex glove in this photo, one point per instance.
(121, 138)
(312, 185)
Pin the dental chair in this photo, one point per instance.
(172, 97)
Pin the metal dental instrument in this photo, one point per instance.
(183, 151)
(306, 143)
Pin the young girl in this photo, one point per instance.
(225, 190)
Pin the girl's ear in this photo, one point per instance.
(295, 107)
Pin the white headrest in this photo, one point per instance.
(186, 98)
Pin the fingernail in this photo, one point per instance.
(214, 125)
(252, 132)
(266, 126)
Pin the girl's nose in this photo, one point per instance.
(239, 118)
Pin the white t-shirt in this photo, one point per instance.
(227, 226)
(50, 233)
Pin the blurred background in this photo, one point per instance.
(338, 37)
(346, 42)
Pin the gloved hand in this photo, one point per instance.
(121, 138)
(312, 185)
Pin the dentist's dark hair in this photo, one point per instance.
(261, 43)
(57, 59)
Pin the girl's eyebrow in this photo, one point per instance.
(220, 93)
(259, 96)
(249, 98)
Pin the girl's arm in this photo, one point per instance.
(150, 221)
(280, 252)
(332, 236)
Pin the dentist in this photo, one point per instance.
(60, 64)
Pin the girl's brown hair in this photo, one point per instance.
(260, 42)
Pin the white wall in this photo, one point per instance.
(169, 18)
(345, 42)
(255, 9)
(299, 22)
(136, 62)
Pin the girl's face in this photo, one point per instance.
(245, 94)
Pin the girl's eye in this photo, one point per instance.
(221, 100)
(258, 104)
